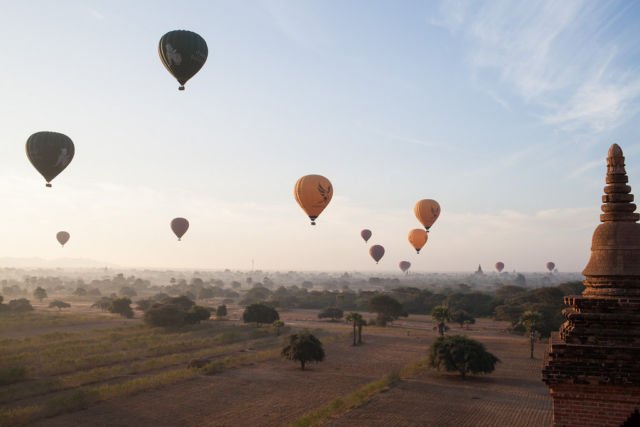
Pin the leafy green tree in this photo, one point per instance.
(260, 313)
(221, 311)
(40, 293)
(355, 319)
(530, 320)
(457, 353)
(303, 347)
(386, 307)
(462, 318)
(59, 305)
(121, 306)
(332, 313)
(441, 315)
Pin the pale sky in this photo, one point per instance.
(502, 111)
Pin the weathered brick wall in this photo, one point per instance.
(593, 406)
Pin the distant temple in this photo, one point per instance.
(479, 270)
(592, 367)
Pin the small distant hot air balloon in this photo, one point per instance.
(499, 266)
(418, 238)
(50, 153)
(404, 266)
(551, 265)
(62, 237)
(366, 235)
(427, 211)
(179, 227)
(376, 252)
(182, 53)
(313, 193)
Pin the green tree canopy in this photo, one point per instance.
(40, 293)
(457, 353)
(462, 318)
(441, 315)
(386, 307)
(221, 311)
(121, 306)
(260, 313)
(303, 347)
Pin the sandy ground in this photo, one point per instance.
(275, 392)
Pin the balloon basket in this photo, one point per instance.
(48, 185)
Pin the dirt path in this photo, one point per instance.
(267, 394)
(513, 395)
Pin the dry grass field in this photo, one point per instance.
(126, 374)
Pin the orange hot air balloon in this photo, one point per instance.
(313, 193)
(418, 238)
(179, 227)
(62, 237)
(366, 235)
(499, 266)
(404, 266)
(376, 252)
(551, 265)
(427, 211)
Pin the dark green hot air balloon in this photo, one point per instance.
(50, 153)
(183, 53)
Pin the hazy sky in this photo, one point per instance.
(502, 111)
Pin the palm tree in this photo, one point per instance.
(356, 319)
(529, 320)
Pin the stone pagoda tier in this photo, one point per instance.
(592, 367)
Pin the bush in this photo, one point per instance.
(332, 313)
(59, 304)
(19, 305)
(457, 353)
(103, 303)
(165, 315)
(196, 314)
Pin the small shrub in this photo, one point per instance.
(59, 304)
(19, 305)
(12, 375)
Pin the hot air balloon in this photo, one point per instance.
(366, 235)
(376, 252)
(179, 227)
(50, 153)
(404, 266)
(63, 237)
(499, 266)
(313, 193)
(183, 53)
(427, 211)
(551, 265)
(418, 238)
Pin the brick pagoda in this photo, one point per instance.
(593, 364)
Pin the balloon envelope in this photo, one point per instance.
(376, 252)
(404, 266)
(313, 193)
(50, 153)
(551, 265)
(366, 234)
(499, 266)
(62, 237)
(427, 211)
(179, 227)
(182, 53)
(418, 238)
